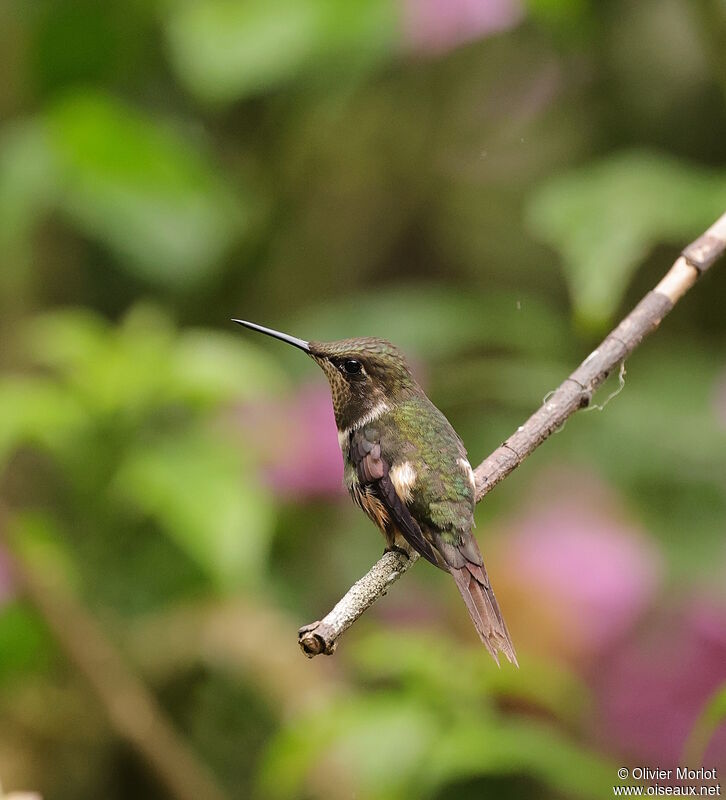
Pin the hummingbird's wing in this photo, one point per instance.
(373, 473)
(432, 507)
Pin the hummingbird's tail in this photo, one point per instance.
(473, 583)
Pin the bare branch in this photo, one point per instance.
(574, 393)
(322, 636)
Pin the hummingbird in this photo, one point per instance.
(406, 468)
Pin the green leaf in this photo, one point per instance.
(377, 743)
(393, 746)
(523, 747)
(562, 14)
(24, 642)
(209, 367)
(204, 498)
(712, 716)
(110, 370)
(65, 340)
(141, 188)
(604, 219)
(224, 50)
(422, 662)
(27, 189)
(35, 411)
(144, 363)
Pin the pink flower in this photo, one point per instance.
(582, 572)
(652, 691)
(298, 443)
(437, 26)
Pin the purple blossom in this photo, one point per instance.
(652, 690)
(584, 573)
(298, 444)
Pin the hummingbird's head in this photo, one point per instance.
(365, 374)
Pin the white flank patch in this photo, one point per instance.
(403, 478)
(469, 472)
(378, 410)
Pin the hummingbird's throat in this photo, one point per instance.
(378, 410)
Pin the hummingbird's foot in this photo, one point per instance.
(394, 548)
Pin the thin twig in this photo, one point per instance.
(573, 394)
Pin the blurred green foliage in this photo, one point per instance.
(435, 728)
(605, 218)
(224, 51)
(127, 416)
(126, 181)
(488, 185)
(712, 716)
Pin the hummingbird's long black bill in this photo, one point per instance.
(293, 340)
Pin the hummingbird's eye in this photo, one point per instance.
(351, 366)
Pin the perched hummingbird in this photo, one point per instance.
(406, 467)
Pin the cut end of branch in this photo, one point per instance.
(313, 640)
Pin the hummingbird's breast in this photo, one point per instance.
(424, 458)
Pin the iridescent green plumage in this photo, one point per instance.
(406, 467)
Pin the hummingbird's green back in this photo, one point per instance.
(415, 431)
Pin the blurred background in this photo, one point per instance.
(490, 184)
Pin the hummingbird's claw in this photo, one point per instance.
(396, 549)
